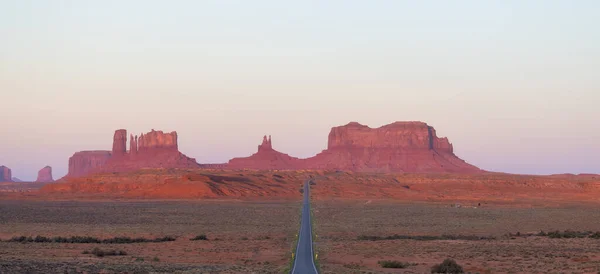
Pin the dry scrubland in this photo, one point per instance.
(243, 237)
(340, 224)
(247, 236)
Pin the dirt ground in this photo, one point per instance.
(338, 224)
(243, 237)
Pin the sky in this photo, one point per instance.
(515, 85)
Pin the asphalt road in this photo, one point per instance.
(304, 257)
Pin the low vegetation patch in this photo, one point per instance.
(102, 253)
(567, 234)
(221, 179)
(424, 237)
(200, 237)
(89, 240)
(393, 264)
(448, 266)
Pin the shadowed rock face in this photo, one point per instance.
(119, 143)
(5, 174)
(397, 147)
(154, 149)
(84, 162)
(45, 175)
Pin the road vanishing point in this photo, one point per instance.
(304, 262)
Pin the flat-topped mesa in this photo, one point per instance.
(266, 144)
(157, 140)
(5, 174)
(84, 162)
(45, 175)
(119, 143)
(398, 135)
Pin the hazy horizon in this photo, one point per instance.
(513, 85)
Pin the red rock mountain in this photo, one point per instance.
(84, 162)
(397, 147)
(266, 158)
(154, 149)
(45, 175)
(5, 174)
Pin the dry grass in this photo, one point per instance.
(339, 225)
(270, 228)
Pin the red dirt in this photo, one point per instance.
(220, 184)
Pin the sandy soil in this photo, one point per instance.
(248, 184)
(339, 224)
(244, 237)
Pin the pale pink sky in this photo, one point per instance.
(514, 85)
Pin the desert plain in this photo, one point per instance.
(487, 223)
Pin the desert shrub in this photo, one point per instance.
(165, 239)
(221, 179)
(42, 239)
(423, 237)
(89, 240)
(156, 259)
(393, 264)
(542, 234)
(200, 237)
(595, 235)
(101, 253)
(568, 234)
(21, 239)
(448, 266)
(129, 240)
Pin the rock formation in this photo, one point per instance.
(84, 162)
(45, 175)
(266, 158)
(157, 140)
(119, 143)
(16, 180)
(154, 149)
(133, 145)
(266, 144)
(397, 147)
(5, 174)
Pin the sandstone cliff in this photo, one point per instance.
(119, 143)
(45, 175)
(84, 162)
(397, 147)
(157, 140)
(154, 149)
(5, 174)
(266, 158)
